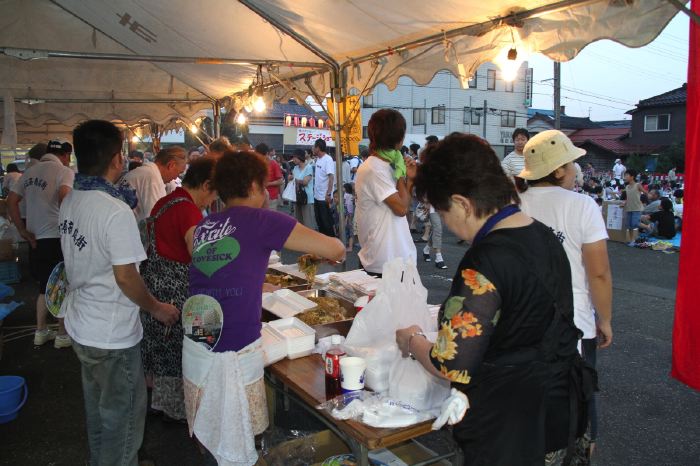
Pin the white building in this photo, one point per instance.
(491, 107)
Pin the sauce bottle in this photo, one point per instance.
(332, 367)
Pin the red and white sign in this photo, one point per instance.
(307, 136)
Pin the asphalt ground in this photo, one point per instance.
(646, 418)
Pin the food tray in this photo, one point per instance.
(341, 327)
(274, 345)
(300, 338)
(285, 303)
(298, 284)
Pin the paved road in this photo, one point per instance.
(646, 417)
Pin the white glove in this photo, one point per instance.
(452, 410)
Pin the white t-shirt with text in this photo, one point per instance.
(576, 220)
(149, 186)
(97, 232)
(383, 235)
(39, 188)
(325, 167)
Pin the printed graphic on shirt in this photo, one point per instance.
(202, 319)
(210, 257)
(559, 234)
(56, 289)
(35, 181)
(67, 227)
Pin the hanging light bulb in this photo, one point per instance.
(258, 102)
(248, 107)
(240, 119)
(194, 129)
(511, 57)
(134, 139)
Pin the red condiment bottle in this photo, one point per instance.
(332, 367)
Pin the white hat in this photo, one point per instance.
(547, 151)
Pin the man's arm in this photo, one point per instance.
(400, 201)
(13, 200)
(329, 192)
(62, 193)
(130, 282)
(597, 266)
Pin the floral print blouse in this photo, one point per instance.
(467, 321)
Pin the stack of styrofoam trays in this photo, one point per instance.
(289, 269)
(299, 337)
(273, 343)
(286, 303)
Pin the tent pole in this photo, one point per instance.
(217, 119)
(40, 100)
(337, 95)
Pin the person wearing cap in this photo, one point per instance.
(514, 162)
(576, 220)
(303, 176)
(44, 186)
(618, 172)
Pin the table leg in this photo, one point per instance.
(360, 452)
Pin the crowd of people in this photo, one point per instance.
(530, 304)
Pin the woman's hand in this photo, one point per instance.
(605, 333)
(403, 337)
(411, 168)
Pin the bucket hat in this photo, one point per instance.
(547, 151)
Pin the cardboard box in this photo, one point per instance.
(7, 250)
(614, 217)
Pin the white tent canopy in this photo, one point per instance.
(166, 59)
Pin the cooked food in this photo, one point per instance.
(327, 310)
(279, 280)
(308, 265)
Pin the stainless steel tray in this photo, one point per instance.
(298, 284)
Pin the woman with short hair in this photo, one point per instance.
(507, 338)
(383, 190)
(165, 273)
(303, 177)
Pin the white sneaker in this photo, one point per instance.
(62, 341)
(42, 336)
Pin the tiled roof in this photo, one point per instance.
(612, 139)
(677, 96)
(615, 124)
(568, 122)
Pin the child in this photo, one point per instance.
(633, 206)
(661, 223)
(349, 203)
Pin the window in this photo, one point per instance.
(472, 116)
(509, 85)
(438, 117)
(491, 80)
(472, 82)
(508, 118)
(368, 101)
(657, 122)
(364, 133)
(418, 116)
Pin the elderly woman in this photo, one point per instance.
(230, 256)
(303, 177)
(548, 196)
(166, 274)
(507, 338)
(383, 190)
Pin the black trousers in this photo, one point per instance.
(324, 219)
(589, 346)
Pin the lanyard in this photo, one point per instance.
(505, 212)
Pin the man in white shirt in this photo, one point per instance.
(44, 186)
(324, 176)
(102, 249)
(514, 162)
(618, 172)
(350, 166)
(149, 180)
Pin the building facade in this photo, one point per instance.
(490, 107)
(659, 121)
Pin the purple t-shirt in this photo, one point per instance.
(229, 260)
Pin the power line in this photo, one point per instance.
(588, 93)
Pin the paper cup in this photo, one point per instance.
(352, 374)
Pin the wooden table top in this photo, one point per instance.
(306, 377)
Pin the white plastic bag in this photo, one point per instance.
(410, 383)
(290, 192)
(401, 301)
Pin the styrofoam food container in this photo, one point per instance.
(300, 338)
(273, 343)
(286, 303)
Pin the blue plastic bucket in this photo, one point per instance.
(11, 399)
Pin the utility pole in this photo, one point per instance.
(485, 104)
(557, 95)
